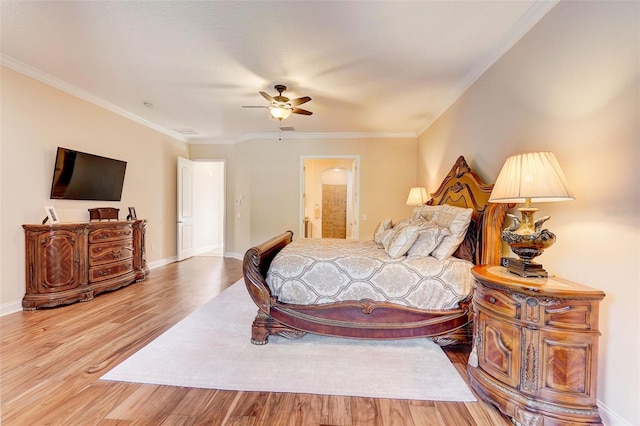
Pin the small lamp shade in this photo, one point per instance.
(536, 176)
(417, 196)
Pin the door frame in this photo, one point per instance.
(356, 190)
(191, 221)
(184, 221)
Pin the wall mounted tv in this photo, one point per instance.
(81, 176)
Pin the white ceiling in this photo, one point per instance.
(376, 68)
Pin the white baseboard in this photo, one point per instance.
(233, 255)
(162, 262)
(10, 308)
(610, 418)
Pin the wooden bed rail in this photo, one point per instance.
(257, 261)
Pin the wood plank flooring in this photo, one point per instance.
(52, 360)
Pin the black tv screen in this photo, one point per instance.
(81, 176)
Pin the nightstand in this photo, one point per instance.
(535, 347)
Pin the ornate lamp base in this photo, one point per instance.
(527, 247)
(526, 269)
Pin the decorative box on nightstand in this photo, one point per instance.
(535, 350)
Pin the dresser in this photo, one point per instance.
(72, 262)
(535, 351)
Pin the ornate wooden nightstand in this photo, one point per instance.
(535, 352)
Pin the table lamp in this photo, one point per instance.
(527, 178)
(417, 196)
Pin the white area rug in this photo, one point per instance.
(211, 348)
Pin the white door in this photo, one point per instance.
(185, 247)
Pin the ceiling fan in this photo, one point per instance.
(281, 107)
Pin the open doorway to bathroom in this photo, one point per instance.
(209, 207)
(330, 197)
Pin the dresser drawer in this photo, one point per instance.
(112, 233)
(105, 272)
(100, 254)
(574, 315)
(496, 301)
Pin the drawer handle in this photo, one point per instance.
(117, 254)
(103, 272)
(492, 299)
(559, 310)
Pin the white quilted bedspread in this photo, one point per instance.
(316, 271)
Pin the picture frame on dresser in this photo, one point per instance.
(132, 214)
(52, 215)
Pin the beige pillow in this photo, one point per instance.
(386, 237)
(457, 220)
(382, 226)
(401, 224)
(401, 241)
(429, 237)
(426, 212)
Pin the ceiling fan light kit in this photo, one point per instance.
(279, 113)
(282, 107)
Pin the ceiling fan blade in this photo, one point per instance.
(300, 111)
(267, 97)
(299, 101)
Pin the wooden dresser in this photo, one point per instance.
(535, 353)
(71, 262)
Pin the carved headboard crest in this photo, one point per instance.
(463, 188)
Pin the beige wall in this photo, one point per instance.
(267, 176)
(570, 86)
(36, 119)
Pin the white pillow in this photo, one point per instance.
(401, 241)
(386, 237)
(457, 220)
(382, 226)
(426, 212)
(429, 237)
(402, 223)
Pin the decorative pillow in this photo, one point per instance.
(382, 226)
(403, 223)
(401, 241)
(386, 236)
(467, 249)
(429, 237)
(426, 212)
(456, 219)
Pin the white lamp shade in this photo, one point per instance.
(417, 196)
(534, 175)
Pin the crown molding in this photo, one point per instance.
(45, 78)
(307, 135)
(536, 12)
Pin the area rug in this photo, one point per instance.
(211, 349)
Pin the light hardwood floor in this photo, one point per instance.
(52, 360)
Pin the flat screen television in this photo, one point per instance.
(81, 176)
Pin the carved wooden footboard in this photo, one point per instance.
(368, 319)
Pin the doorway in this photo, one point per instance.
(201, 208)
(329, 197)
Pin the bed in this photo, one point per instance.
(363, 289)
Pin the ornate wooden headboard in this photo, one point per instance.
(463, 188)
